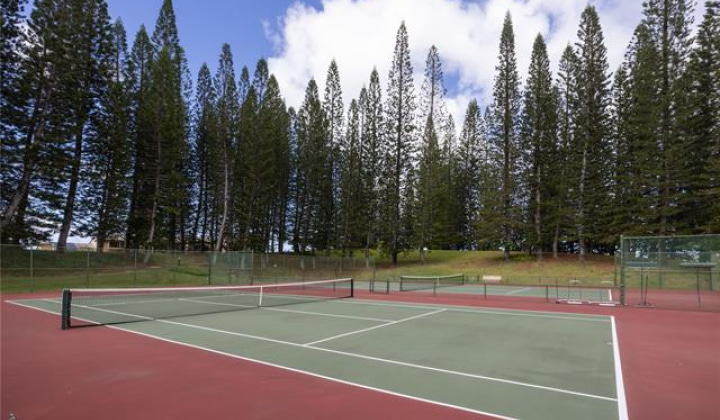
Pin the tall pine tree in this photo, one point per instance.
(539, 139)
(397, 181)
(506, 93)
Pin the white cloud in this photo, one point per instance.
(360, 35)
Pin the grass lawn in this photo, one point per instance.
(521, 269)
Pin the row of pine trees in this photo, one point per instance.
(104, 139)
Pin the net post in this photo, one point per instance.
(352, 287)
(260, 301)
(65, 309)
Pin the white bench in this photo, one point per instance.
(491, 279)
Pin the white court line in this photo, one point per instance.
(374, 327)
(378, 359)
(517, 291)
(362, 318)
(467, 309)
(619, 383)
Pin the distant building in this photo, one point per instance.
(111, 244)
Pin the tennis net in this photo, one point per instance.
(410, 283)
(115, 306)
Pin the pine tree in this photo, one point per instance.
(249, 161)
(205, 135)
(668, 22)
(351, 183)
(169, 144)
(433, 183)
(312, 182)
(165, 36)
(432, 94)
(372, 156)
(139, 80)
(274, 125)
(243, 84)
(228, 110)
(261, 76)
(469, 157)
(82, 83)
(105, 185)
(539, 132)
(13, 106)
(636, 122)
(397, 188)
(506, 93)
(702, 208)
(566, 87)
(591, 149)
(333, 107)
(430, 191)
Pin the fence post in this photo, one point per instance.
(32, 270)
(210, 267)
(135, 267)
(697, 280)
(87, 268)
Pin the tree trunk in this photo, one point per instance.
(72, 191)
(34, 135)
(538, 226)
(226, 197)
(581, 207)
(156, 192)
(103, 213)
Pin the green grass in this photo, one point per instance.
(520, 269)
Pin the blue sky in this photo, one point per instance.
(205, 25)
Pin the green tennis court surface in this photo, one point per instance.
(510, 364)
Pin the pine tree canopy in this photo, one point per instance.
(105, 135)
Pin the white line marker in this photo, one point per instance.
(267, 308)
(374, 327)
(619, 383)
(362, 318)
(466, 309)
(516, 291)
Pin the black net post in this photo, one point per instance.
(352, 287)
(65, 309)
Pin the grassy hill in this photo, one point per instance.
(522, 268)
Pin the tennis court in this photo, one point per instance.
(503, 363)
